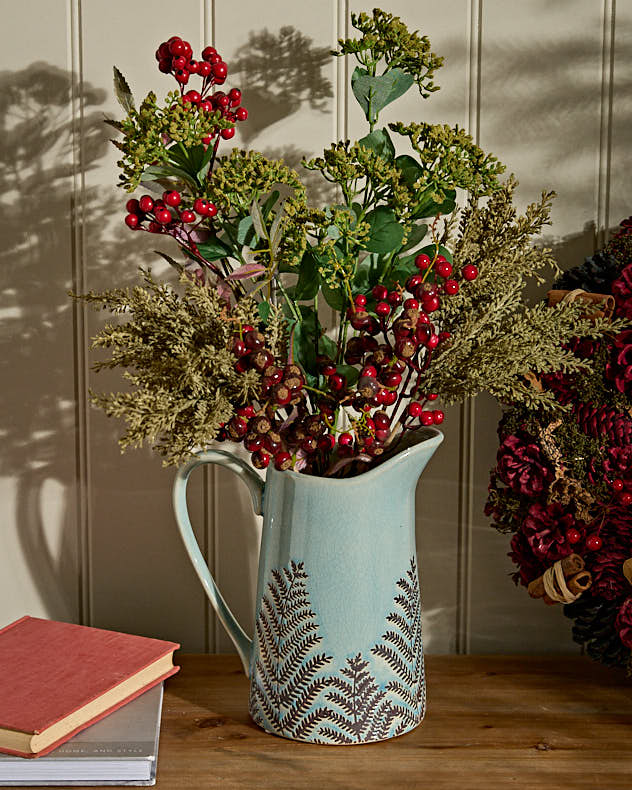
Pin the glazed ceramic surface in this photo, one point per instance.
(337, 653)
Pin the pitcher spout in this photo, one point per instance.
(408, 460)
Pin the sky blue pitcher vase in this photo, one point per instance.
(337, 654)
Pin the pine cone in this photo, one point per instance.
(594, 628)
(595, 275)
(609, 582)
(602, 422)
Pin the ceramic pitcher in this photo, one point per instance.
(336, 656)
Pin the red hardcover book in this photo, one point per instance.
(57, 678)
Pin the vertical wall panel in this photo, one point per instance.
(38, 538)
(290, 117)
(620, 121)
(141, 579)
(540, 110)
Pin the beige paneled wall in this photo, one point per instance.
(88, 534)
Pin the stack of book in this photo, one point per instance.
(84, 702)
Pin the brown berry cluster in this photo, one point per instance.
(274, 425)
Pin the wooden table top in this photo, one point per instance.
(555, 723)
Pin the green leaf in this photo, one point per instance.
(327, 347)
(417, 234)
(386, 233)
(361, 277)
(160, 172)
(308, 279)
(428, 207)
(374, 93)
(304, 335)
(335, 297)
(114, 124)
(412, 171)
(380, 142)
(196, 156)
(214, 249)
(267, 207)
(245, 231)
(178, 155)
(263, 308)
(350, 373)
(257, 219)
(123, 92)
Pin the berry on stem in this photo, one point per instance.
(422, 261)
(415, 409)
(573, 535)
(594, 543)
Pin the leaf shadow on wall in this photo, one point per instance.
(284, 88)
(37, 399)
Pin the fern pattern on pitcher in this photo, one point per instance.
(291, 695)
(286, 680)
(403, 652)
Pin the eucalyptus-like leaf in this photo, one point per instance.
(257, 220)
(114, 124)
(123, 92)
(379, 141)
(263, 308)
(412, 171)
(386, 233)
(214, 249)
(416, 235)
(245, 230)
(276, 228)
(160, 172)
(374, 93)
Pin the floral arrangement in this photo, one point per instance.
(321, 337)
(562, 485)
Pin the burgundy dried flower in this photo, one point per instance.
(622, 292)
(618, 465)
(619, 369)
(623, 623)
(522, 555)
(521, 465)
(545, 530)
(607, 570)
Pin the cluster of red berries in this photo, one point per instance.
(619, 496)
(165, 214)
(175, 57)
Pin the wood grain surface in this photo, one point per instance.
(492, 721)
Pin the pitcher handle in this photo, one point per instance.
(255, 485)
